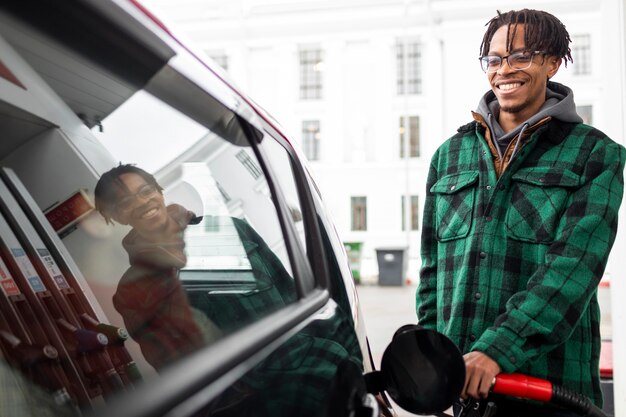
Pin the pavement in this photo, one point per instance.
(385, 309)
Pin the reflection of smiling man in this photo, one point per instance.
(519, 219)
(149, 296)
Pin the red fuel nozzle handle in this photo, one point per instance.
(531, 388)
(523, 386)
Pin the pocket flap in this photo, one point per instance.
(452, 183)
(547, 177)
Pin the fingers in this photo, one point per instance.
(476, 386)
(480, 371)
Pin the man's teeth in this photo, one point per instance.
(149, 212)
(510, 86)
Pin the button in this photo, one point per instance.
(542, 180)
(477, 295)
(512, 359)
(453, 188)
(472, 338)
(501, 187)
(482, 255)
(488, 218)
(488, 187)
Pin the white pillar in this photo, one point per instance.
(615, 43)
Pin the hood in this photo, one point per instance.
(559, 105)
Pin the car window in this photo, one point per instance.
(235, 268)
(281, 164)
(184, 249)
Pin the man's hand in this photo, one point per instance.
(480, 370)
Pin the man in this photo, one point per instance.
(149, 296)
(519, 218)
(166, 321)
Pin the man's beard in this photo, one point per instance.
(515, 108)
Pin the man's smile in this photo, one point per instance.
(147, 212)
(509, 86)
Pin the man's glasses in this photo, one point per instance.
(125, 204)
(517, 61)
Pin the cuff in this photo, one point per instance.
(503, 346)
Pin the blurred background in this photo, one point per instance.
(369, 89)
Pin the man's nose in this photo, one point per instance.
(505, 68)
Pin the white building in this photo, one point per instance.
(352, 79)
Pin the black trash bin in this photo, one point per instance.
(392, 265)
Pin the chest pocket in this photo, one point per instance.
(538, 199)
(454, 200)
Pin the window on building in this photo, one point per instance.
(359, 213)
(413, 214)
(581, 53)
(220, 58)
(409, 67)
(252, 167)
(223, 193)
(311, 139)
(311, 67)
(409, 136)
(586, 113)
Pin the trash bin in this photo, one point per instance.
(354, 249)
(392, 265)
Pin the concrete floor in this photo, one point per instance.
(385, 309)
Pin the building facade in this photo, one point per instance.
(369, 89)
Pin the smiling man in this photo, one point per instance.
(149, 296)
(519, 219)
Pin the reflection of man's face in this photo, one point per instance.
(140, 205)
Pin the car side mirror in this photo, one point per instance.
(421, 370)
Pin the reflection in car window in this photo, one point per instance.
(234, 267)
(281, 164)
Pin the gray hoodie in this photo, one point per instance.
(559, 105)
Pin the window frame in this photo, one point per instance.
(310, 143)
(353, 200)
(582, 54)
(311, 81)
(409, 64)
(208, 371)
(314, 242)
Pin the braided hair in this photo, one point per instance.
(544, 32)
(106, 189)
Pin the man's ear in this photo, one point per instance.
(554, 63)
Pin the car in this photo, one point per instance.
(257, 316)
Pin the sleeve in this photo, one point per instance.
(426, 297)
(545, 314)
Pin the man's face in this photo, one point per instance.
(520, 93)
(140, 205)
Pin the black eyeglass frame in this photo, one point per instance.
(484, 63)
(124, 204)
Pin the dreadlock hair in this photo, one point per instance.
(544, 32)
(106, 190)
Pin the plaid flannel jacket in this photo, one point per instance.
(510, 265)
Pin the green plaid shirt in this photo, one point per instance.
(511, 265)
